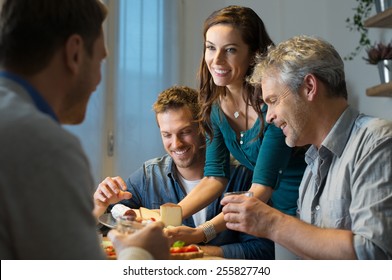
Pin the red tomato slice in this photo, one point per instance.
(185, 249)
(110, 251)
(191, 248)
(175, 250)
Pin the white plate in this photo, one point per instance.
(107, 220)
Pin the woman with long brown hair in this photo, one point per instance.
(233, 119)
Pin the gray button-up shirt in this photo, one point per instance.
(348, 183)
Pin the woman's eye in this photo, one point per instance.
(211, 48)
(231, 50)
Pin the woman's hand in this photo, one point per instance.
(187, 234)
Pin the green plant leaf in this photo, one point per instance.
(178, 244)
(355, 23)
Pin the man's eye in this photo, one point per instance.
(186, 132)
(270, 101)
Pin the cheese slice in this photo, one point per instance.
(147, 214)
(171, 214)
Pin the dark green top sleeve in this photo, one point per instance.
(217, 154)
(272, 158)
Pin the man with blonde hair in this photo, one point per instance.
(171, 177)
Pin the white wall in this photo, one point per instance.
(286, 18)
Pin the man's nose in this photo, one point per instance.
(176, 141)
(270, 117)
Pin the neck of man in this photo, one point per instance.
(328, 114)
(193, 172)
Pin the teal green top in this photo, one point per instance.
(273, 163)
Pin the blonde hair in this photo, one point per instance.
(177, 97)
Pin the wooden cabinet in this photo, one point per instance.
(382, 20)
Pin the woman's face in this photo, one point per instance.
(226, 55)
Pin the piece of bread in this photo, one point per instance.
(171, 214)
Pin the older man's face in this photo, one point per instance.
(286, 110)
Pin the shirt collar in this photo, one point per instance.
(38, 100)
(337, 138)
(171, 169)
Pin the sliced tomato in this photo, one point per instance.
(110, 251)
(190, 248)
(185, 249)
(175, 250)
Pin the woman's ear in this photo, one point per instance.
(310, 86)
(74, 48)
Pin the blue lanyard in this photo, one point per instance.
(39, 102)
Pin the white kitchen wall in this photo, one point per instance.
(287, 18)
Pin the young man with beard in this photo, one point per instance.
(171, 177)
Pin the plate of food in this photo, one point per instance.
(117, 211)
(107, 220)
(180, 251)
(108, 248)
(170, 214)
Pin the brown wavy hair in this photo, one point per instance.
(255, 35)
(177, 97)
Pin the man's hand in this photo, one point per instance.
(109, 191)
(248, 214)
(150, 238)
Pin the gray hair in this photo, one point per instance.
(299, 56)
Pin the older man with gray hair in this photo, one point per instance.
(345, 201)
